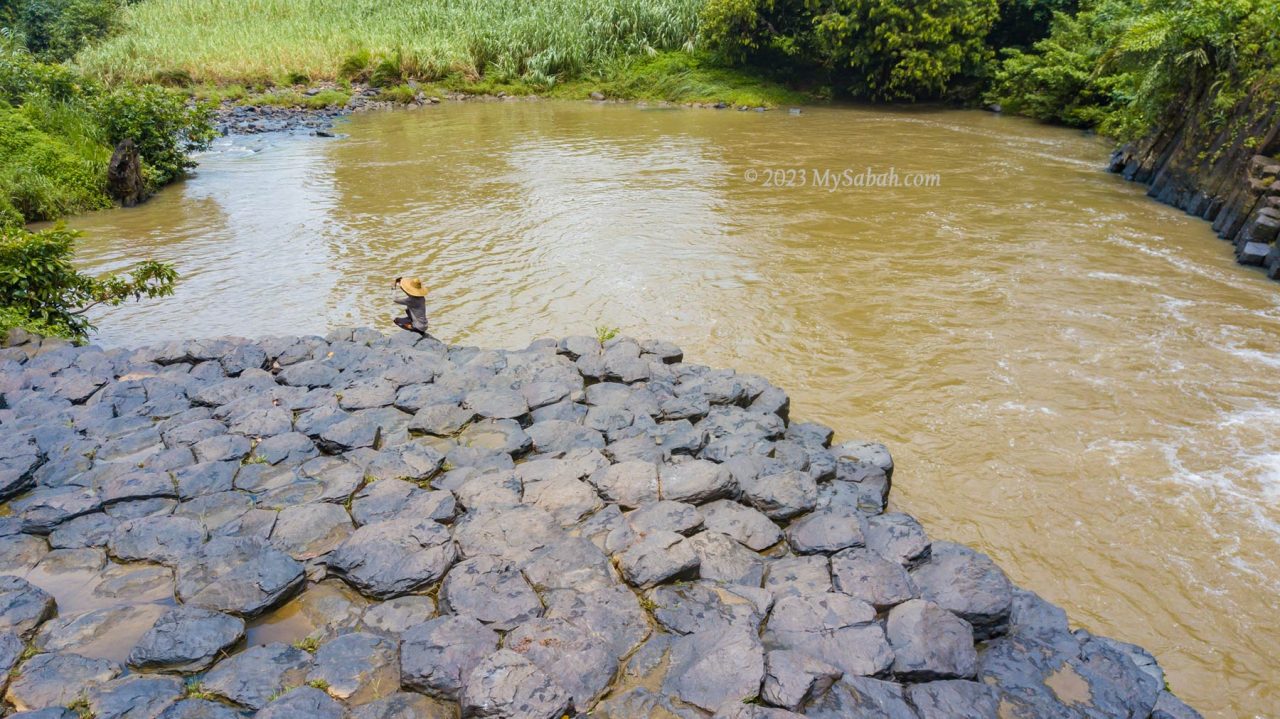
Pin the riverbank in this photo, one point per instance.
(1223, 172)
(663, 538)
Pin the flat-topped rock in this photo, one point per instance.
(386, 527)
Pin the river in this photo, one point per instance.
(1073, 378)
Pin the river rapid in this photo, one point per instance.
(1073, 378)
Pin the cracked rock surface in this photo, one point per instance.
(372, 526)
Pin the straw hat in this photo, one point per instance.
(413, 286)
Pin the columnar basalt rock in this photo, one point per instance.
(375, 527)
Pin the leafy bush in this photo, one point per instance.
(42, 175)
(876, 49)
(1124, 65)
(58, 29)
(160, 123)
(41, 289)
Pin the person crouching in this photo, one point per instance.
(415, 304)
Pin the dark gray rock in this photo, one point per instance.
(350, 433)
(134, 697)
(307, 531)
(306, 702)
(899, 538)
(571, 563)
(167, 540)
(559, 437)
(642, 702)
(405, 705)
(864, 574)
(862, 697)
(394, 616)
(506, 684)
(366, 394)
(696, 482)
(309, 374)
(200, 709)
(954, 699)
(222, 448)
(748, 526)
(48, 680)
(930, 643)
(252, 677)
(496, 403)
(393, 557)
(667, 516)
(863, 451)
(571, 653)
(782, 495)
(709, 669)
(441, 420)
(398, 499)
(514, 533)
(703, 606)
(722, 559)
(11, 649)
(969, 584)
(437, 655)
(185, 640)
(613, 615)
(824, 531)
(23, 606)
(1170, 707)
(792, 678)
(242, 576)
(833, 627)
(568, 500)
(738, 710)
(205, 478)
(288, 448)
(628, 484)
(491, 590)
(804, 576)
(658, 557)
(266, 422)
(357, 667)
(95, 632)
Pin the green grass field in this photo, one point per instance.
(538, 42)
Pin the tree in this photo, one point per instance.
(42, 290)
(875, 49)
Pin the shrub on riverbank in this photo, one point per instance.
(58, 129)
(41, 291)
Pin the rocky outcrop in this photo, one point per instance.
(1226, 172)
(594, 529)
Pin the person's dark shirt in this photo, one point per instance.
(417, 309)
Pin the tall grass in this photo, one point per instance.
(537, 41)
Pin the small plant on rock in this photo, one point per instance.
(308, 644)
(605, 333)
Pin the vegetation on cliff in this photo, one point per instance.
(1123, 65)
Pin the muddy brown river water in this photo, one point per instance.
(1073, 378)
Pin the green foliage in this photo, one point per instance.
(43, 174)
(682, 77)
(161, 124)
(538, 41)
(605, 333)
(57, 131)
(1023, 22)
(1125, 65)
(57, 29)
(875, 49)
(403, 94)
(40, 285)
(293, 98)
